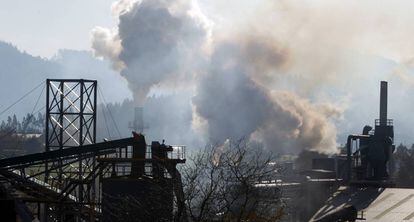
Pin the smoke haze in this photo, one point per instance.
(292, 75)
(159, 41)
(168, 43)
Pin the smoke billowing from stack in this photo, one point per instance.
(138, 123)
(167, 43)
(156, 40)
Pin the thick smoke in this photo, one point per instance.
(311, 129)
(158, 41)
(235, 106)
(107, 44)
(168, 43)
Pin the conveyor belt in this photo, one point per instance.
(38, 158)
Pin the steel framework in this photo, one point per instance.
(65, 183)
(70, 122)
(21, 176)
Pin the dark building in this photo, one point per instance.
(368, 192)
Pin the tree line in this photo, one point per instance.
(402, 164)
(30, 123)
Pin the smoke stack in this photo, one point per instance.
(383, 103)
(138, 123)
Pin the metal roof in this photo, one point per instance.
(372, 204)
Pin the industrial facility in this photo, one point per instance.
(368, 192)
(77, 178)
(354, 185)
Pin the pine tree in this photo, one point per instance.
(15, 123)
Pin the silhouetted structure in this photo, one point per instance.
(77, 179)
(369, 153)
(367, 191)
(137, 124)
(147, 192)
(70, 122)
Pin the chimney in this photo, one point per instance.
(383, 103)
(137, 124)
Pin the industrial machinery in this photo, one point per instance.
(368, 193)
(368, 154)
(138, 124)
(77, 179)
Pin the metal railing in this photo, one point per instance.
(178, 153)
(123, 169)
(388, 122)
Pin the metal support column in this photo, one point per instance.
(70, 122)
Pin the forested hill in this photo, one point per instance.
(20, 72)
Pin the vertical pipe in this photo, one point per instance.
(81, 113)
(349, 158)
(93, 184)
(61, 115)
(383, 103)
(81, 139)
(95, 105)
(139, 119)
(61, 130)
(139, 149)
(60, 140)
(47, 148)
(43, 212)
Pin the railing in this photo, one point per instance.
(43, 184)
(387, 122)
(178, 153)
(124, 168)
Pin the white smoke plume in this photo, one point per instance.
(236, 74)
(158, 41)
(107, 44)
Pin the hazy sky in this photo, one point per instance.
(333, 45)
(42, 27)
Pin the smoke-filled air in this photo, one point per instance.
(254, 69)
